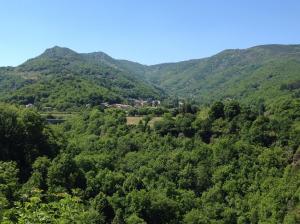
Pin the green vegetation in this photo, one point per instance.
(223, 164)
(248, 75)
(138, 120)
(65, 80)
(223, 147)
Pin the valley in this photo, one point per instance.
(86, 138)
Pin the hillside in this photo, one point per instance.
(62, 78)
(228, 162)
(259, 72)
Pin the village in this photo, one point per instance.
(56, 117)
(131, 103)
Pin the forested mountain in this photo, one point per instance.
(228, 162)
(62, 79)
(261, 72)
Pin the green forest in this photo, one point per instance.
(220, 144)
(225, 163)
(65, 80)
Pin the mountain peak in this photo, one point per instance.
(57, 51)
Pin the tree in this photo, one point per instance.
(216, 111)
(232, 109)
(133, 182)
(38, 178)
(103, 207)
(66, 209)
(195, 217)
(23, 138)
(8, 180)
(204, 129)
(263, 131)
(134, 219)
(64, 175)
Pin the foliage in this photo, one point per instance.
(268, 71)
(223, 164)
(62, 79)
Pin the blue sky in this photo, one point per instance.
(149, 32)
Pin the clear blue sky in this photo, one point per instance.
(149, 32)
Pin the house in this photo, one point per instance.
(30, 105)
(105, 104)
(155, 103)
(140, 103)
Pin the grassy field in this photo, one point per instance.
(136, 120)
(133, 120)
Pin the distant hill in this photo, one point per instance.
(62, 79)
(261, 72)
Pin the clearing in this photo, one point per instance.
(136, 120)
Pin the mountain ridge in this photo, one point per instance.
(62, 78)
(207, 78)
(66, 49)
(251, 74)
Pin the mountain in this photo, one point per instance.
(62, 78)
(262, 72)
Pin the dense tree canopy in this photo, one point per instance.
(224, 164)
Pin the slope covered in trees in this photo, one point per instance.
(247, 75)
(230, 162)
(223, 164)
(62, 79)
